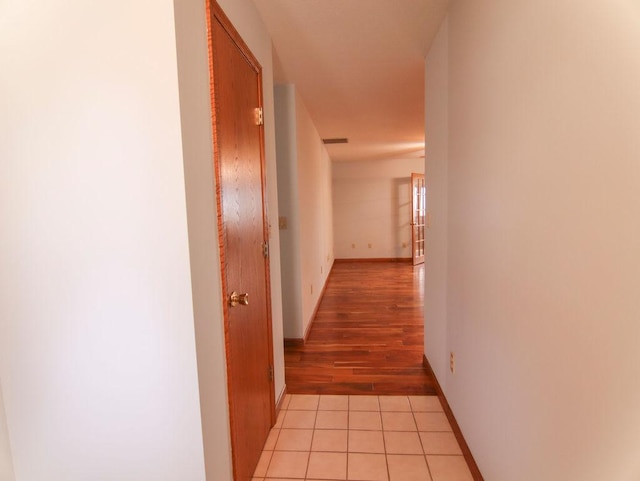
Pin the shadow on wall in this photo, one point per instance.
(401, 216)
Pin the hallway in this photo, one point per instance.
(361, 406)
(367, 336)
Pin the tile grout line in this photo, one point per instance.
(346, 475)
(315, 422)
(313, 436)
(424, 452)
(266, 470)
(384, 443)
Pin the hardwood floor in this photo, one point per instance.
(367, 337)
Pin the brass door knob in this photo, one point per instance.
(235, 299)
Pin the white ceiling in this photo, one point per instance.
(359, 67)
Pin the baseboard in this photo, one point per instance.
(313, 319)
(473, 467)
(293, 342)
(297, 342)
(376, 259)
(281, 400)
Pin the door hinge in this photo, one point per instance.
(265, 249)
(259, 116)
(270, 373)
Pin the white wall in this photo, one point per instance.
(289, 209)
(542, 225)
(245, 18)
(436, 179)
(314, 204)
(304, 176)
(197, 148)
(97, 348)
(372, 205)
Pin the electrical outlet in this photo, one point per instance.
(369, 245)
(452, 362)
(404, 245)
(353, 246)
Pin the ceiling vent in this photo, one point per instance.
(336, 141)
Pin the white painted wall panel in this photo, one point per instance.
(437, 157)
(197, 148)
(97, 348)
(372, 205)
(289, 209)
(542, 228)
(304, 175)
(315, 211)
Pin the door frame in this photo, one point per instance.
(215, 14)
(418, 218)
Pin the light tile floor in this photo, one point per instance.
(362, 438)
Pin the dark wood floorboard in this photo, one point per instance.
(367, 337)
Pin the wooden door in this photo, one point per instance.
(418, 218)
(239, 166)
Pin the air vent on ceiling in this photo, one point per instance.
(336, 141)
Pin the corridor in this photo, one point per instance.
(363, 406)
